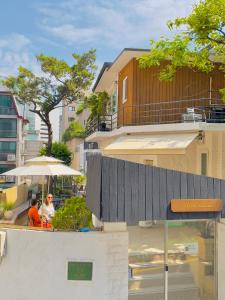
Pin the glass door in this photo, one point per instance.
(172, 260)
(146, 261)
(191, 260)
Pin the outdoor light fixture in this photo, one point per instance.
(201, 136)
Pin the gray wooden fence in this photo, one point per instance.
(119, 190)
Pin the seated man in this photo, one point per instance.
(34, 218)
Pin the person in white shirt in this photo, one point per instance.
(47, 210)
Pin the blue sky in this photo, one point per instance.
(60, 27)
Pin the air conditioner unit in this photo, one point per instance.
(191, 116)
(11, 157)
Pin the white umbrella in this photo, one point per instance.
(43, 160)
(43, 166)
(43, 170)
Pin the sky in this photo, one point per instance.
(61, 27)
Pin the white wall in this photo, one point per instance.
(221, 259)
(35, 265)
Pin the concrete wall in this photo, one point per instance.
(221, 260)
(35, 265)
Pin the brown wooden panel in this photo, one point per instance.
(144, 87)
(196, 205)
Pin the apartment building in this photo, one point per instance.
(177, 125)
(12, 125)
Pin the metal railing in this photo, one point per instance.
(191, 110)
(8, 156)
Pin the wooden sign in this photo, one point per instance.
(196, 205)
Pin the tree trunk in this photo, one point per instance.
(50, 137)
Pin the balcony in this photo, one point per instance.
(11, 157)
(7, 110)
(182, 111)
(8, 133)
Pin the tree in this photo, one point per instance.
(75, 130)
(98, 104)
(200, 44)
(60, 151)
(60, 85)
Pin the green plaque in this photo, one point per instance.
(79, 270)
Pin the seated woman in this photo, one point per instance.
(47, 209)
(34, 218)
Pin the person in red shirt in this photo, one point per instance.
(34, 218)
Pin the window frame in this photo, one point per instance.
(125, 90)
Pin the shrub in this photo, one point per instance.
(73, 215)
(80, 180)
(60, 151)
(7, 206)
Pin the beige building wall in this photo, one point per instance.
(74, 148)
(220, 259)
(213, 144)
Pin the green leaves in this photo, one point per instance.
(73, 216)
(99, 104)
(59, 84)
(200, 43)
(60, 151)
(75, 130)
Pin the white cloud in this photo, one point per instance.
(14, 42)
(116, 24)
(15, 50)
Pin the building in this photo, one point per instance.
(179, 255)
(178, 125)
(77, 146)
(12, 124)
(43, 133)
(69, 115)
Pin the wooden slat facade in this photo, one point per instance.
(144, 88)
(120, 191)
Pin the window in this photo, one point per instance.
(8, 128)
(71, 119)
(203, 163)
(114, 102)
(7, 147)
(6, 105)
(149, 162)
(71, 108)
(125, 90)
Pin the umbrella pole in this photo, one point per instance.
(43, 185)
(48, 183)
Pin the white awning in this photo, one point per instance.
(151, 144)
